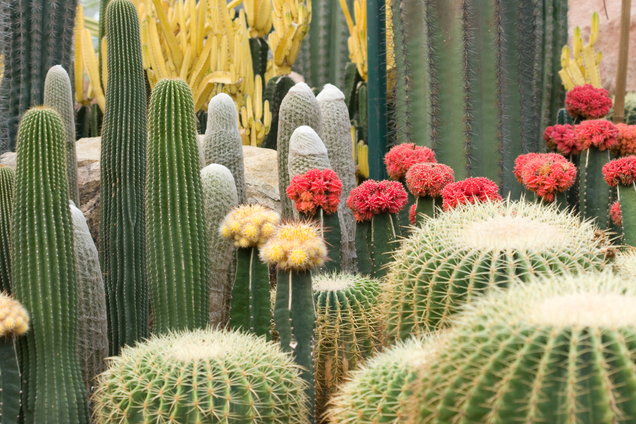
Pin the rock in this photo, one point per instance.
(8, 159)
(261, 176)
(88, 179)
(88, 151)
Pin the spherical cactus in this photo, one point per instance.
(381, 391)
(454, 258)
(625, 263)
(249, 225)
(14, 319)
(556, 350)
(587, 102)
(347, 329)
(214, 377)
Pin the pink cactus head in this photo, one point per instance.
(401, 157)
(562, 138)
(615, 213)
(470, 190)
(429, 179)
(548, 174)
(588, 102)
(626, 140)
(620, 171)
(316, 189)
(598, 133)
(376, 197)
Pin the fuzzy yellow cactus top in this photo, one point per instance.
(14, 319)
(296, 246)
(249, 225)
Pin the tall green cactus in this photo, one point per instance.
(59, 97)
(276, 90)
(44, 274)
(7, 181)
(176, 234)
(594, 193)
(220, 197)
(123, 165)
(299, 107)
(40, 36)
(222, 143)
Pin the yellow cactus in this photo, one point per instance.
(357, 34)
(249, 225)
(255, 118)
(291, 19)
(295, 246)
(14, 319)
(259, 17)
(583, 68)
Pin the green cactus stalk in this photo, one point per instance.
(276, 90)
(259, 48)
(382, 242)
(365, 259)
(59, 97)
(548, 359)
(627, 199)
(97, 120)
(44, 273)
(92, 336)
(298, 108)
(176, 235)
(594, 193)
(510, 241)
(219, 376)
(83, 122)
(123, 165)
(347, 330)
(337, 140)
(424, 207)
(40, 35)
(220, 197)
(7, 181)
(222, 143)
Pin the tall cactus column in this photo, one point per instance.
(44, 274)
(7, 181)
(622, 173)
(123, 162)
(176, 233)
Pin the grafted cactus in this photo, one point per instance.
(222, 143)
(7, 181)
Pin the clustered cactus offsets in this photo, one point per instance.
(451, 260)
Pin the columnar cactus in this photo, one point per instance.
(276, 90)
(295, 249)
(347, 329)
(222, 143)
(58, 96)
(306, 151)
(44, 273)
(220, 197)
(426, 181)
(473, 248)
(217, 376)
(556, 350)
(92, 336)
(298, 108)
(123, 164)
(249, 227)
(14, 322)
(176, 234)
(622, 173)
(7, 181)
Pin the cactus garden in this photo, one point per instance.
(315, 212)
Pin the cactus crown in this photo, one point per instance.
(14, 319)
(295, 246)
(333, 282)
(249, 225)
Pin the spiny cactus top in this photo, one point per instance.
(14, 319)
(249, 225)
(626, 143)
(376, 197)
(545, 174)
(620, 171)
(470, 190)
(429, 179)
(596, 133)
(625, 263)
(315, 189)
(558, 350)
(306, 151)
(202, 376)
(401, 157)
(562, 138)
(587, 102)
(295, 246)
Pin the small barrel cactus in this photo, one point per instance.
(556, 350)
(347, 329)
(625, 263)
(426, 181)
(7, 181)
(250, 226)
(214, 376)
(454, 258)
(622, 173)
(220, 197)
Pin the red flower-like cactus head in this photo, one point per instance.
(547, 174)
(598, 133)
(401, 157)
(470, 190)
(562, 138)
(429, 179)
(316, 189)
(412, 213)
(620, 171)
(520, 163)
(615, 214)
(588, 102)
(376, 197)
(626, 140)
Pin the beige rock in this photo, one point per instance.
(8, 159)
(88, 151)
(261, 176)
(580, 14)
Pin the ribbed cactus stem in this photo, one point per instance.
(425, 206)
(299, 107)
(7, 181)
(275, 92)
(627, 201)
(176, 234)
(44, 273)
(251, 305)
(382, 241)
(10, 383)
(220, 197)
(222, 143)
(365, 259)
(123, 165)
(594, 193)
(58, 95)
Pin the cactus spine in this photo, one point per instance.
(222, 142)
(123, 162)
(7, 181)
(44, 274)
(299, 107)
(59, 97)
(218, 376)
(176, 234)
(92, 336)
(40, 36)
(220, 197)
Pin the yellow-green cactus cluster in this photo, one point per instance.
(14, 319)
(296, 246)
(249, 225)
